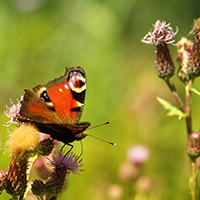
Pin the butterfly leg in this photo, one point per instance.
(62, 147)
(67, 151)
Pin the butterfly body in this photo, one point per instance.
(56, 107)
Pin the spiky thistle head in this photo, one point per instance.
(161, 36)
(23, 142)
(63, 165)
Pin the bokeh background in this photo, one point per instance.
(39, 38)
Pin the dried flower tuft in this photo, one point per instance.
(196, 28)
(24, 139)
(23, 142)
(184, 48)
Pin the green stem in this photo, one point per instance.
(188, 107)
(176, 96)
(193, 178)
(193, 181)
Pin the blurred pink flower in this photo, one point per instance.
(138, 154)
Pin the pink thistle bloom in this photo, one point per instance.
(68, 162)
(13, 112)
(138, 154)
(162, 34)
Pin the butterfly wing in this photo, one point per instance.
(57, 106)
(59, 101)
(36, 110)
(67, 94)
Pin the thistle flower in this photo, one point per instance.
(62, 167)
(193, 147)
(189, 55)
(194, 63)
(184, 48)
(138, 154)
(196, 28)
(68, 161)
(161, 36)
(23, 142)
(13, 112)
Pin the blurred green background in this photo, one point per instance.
(39, 38)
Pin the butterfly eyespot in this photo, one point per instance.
(44, 97)
(81, 83)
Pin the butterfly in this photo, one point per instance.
(56, 107)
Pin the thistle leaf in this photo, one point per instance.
(173, 111)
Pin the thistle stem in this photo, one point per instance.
(193, 178)
(175, 94)
(193, 181)
(188, 107)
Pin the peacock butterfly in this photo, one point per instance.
(56, 107)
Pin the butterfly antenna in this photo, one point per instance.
(98, 125)
(101, 139)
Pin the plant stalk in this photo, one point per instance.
(187, 109)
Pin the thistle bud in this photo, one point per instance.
(38, 187)
(164, 64)
(16, 180)
(193, 147)
(45, 147)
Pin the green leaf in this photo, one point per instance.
(173, 111)
(195, 91)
